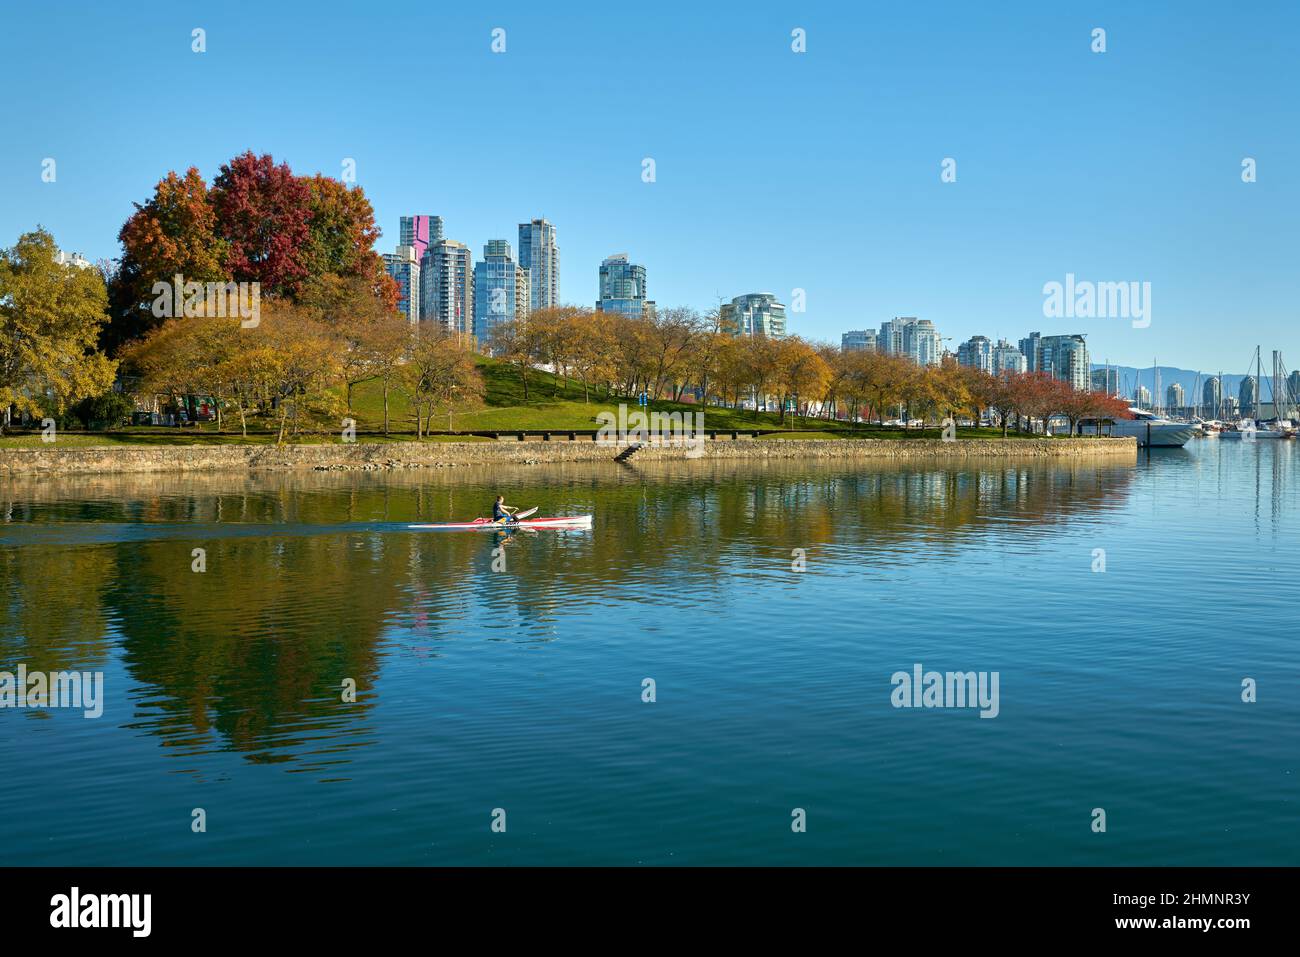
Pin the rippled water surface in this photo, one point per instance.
(521, 688)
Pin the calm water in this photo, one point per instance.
(521, 689)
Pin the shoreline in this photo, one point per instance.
(93, 460)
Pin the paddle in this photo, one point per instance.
(517, 516)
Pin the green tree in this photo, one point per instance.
(50, 320)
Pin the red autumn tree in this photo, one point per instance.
(263, 214)
(1032, 395)
(301, 238)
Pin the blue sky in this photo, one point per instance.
(775, 170)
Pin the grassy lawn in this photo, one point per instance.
(551, 404)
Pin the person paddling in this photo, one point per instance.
(502, 514)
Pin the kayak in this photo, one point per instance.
(486, 524)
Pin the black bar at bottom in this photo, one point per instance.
(301, 905)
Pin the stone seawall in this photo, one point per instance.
(375, 456)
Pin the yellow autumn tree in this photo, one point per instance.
(50, 320)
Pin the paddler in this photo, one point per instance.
(502, 514)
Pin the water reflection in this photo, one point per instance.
(312, 578)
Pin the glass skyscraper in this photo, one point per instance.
(1030, 348)
(891, 335)
(1212, 397)
(1248, 395)
(912, 337)
(404, 267)
(623, 288)
(447, 286)
(976, 352)
(1007, 358)
(1065, 358)
(420, 232)
(501, 290)
(754, 314)
(540, 256)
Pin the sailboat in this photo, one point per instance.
(1277, 427)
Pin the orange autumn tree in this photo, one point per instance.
(173, 233)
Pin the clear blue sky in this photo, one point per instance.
(775, 170)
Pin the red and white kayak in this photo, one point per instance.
(486, 524)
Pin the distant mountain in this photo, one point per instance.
(1191, 381)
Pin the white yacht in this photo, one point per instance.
(1150, 430)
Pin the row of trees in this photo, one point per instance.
(663, 355)
(328, 309)
(675, 349)
(298, 368)
(307, 241)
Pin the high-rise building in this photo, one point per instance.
(1064, 358)
(540, 256)
(447, 286)
(862, 340)
(912, 337)
(1031, 349)
(1291, 398)
(404, 267)
(754, 314)
(1248, 395)
(501, 290)
(623, 288)
(977, 353)
(921, 341)
(1007, 358)
(1212, 397)
(1105, 380)
(1174, 399)
(1142, 397)
(891, 334)
(420, 232)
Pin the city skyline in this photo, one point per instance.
(1155, 195)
